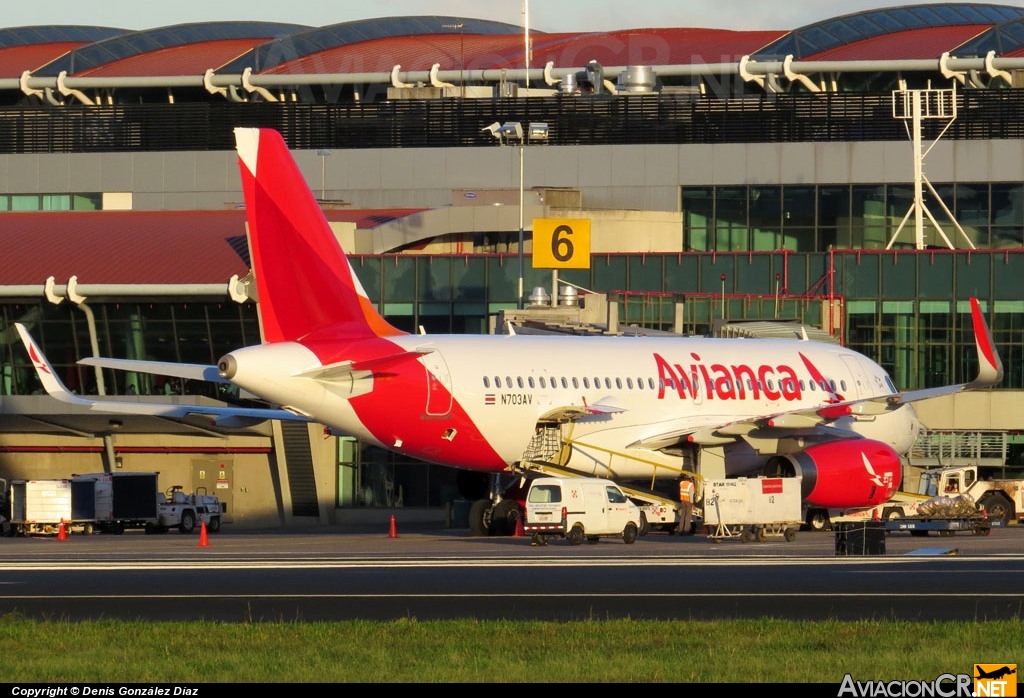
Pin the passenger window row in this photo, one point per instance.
(724, 384)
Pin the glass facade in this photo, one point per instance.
(809, 218)
(905, 308)
(51, 202)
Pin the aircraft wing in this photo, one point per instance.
(990, 366)
(809, 421)
(805, 423)
(200, 372)
(231, 417)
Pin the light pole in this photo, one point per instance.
(514, 130)
(462, 51)
(522, 150)
(723, 296)
(323, 153)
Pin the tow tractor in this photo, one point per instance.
(177, 509)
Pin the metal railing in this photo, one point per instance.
(451, 122)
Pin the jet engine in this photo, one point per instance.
(843, 474)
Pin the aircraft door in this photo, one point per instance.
(859, 382)
(439, 385)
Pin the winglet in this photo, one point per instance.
(990, 366)
(47, 376)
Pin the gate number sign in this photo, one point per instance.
(561, 243)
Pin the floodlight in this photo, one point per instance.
(538, 131)
(494, 129)
(512, 129)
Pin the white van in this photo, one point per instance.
(578, 509)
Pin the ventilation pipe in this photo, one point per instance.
(395, 82)
(549, 77)
(433, 77)
(948, 72)
(793, 76)
(995, 72)
(23, 83)
(247, 84)
(210, 87)
(746, 75)
(71, 293)
(67, 91)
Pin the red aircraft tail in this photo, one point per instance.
(305, 283)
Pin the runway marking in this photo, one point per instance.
(997, 563)
(531, 597)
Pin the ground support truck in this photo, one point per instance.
(998, 489)
(946, 516)
(752, 508)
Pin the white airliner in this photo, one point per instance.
(625, 408)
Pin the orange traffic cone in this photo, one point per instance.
(519, 527)
(204, 539)
(62, 532)
(392, 529)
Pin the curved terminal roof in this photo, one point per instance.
(889, 28)
(28, 48)
(365, 50)
(150, 47)
(1005, 39)
(323, 40)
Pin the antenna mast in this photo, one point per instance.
(915, 106)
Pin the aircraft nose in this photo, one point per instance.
(227, 366)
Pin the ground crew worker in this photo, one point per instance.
(686, 493)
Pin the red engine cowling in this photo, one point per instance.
(844, 474)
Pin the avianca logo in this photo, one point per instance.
(37, 362)
(884, 482)
(731, 382)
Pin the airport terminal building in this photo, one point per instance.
(862, 177)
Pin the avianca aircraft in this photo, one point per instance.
(625, 408)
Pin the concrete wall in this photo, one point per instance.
(986, 409)
(250, 489)
(634, 177)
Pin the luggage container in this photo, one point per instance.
(118, 500)
(752, 508)
(40, 506)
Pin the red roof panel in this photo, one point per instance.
(17, 59)
(187, 59)
(138, 247)
(912, 44)
(477, 52)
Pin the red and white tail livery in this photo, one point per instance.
(639, 409)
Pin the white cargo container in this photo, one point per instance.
(752, 508)
(40, 506)
(116, 501)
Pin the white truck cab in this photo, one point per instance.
(578, 509)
